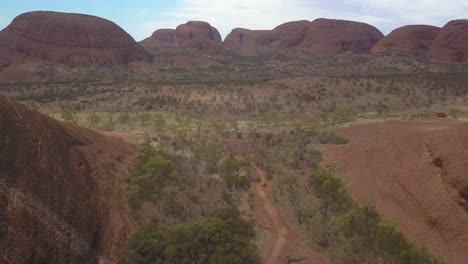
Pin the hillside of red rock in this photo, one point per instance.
(451, 44)
(68, 38)
(329, 37)
(321, 37)
(161, 38)
(62, 190)
(193, 36)
(413, 41)
(415, 173)
(246, 41)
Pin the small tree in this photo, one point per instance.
(69, 116)
(93, 119)
(123, 118)
(159, 122)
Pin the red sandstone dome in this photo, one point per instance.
(161, 38)
(199, 36)
(247, 41)
(69, 38)
(286, 29)
(329, 37)
(414, 41)
(194, 36)
(451, 44)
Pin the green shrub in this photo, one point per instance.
(124, 118)
(332, 138)
(222, 238)
(154, 169)
(229, 170)
(69, 116)
(93, 119)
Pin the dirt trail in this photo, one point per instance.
(286, 245)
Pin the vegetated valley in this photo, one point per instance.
(198, 150)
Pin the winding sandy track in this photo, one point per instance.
(286, 245)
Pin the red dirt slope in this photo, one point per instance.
(416, 174)
(62, 190)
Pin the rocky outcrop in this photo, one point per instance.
(193, 36)
(246, 41)
(161, 38)
(451, 44)
(199, 36)
(62, 190)
(321, 37)
(69, 38)
(412, 41)
(329, 37)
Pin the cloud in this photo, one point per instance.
(267, 14)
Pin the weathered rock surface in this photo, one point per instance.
(62, 190)
(161, 38)
(451, 44)
(329, 37)
(412, 41)
(69, 38)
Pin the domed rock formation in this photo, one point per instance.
(329, 37)
(289, 28)
(199, 36)
(413, 41)
(161, 38)
(62, 190)
(193, 36)
(252, 42)
(70, 38)
(247, 41)
(451, 44)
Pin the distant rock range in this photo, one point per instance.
(83, 39)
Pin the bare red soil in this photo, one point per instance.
(415, 173)
(62, 190)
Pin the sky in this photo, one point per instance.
(141, 17)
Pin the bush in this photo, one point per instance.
(93, 119)
(154, 169)
(69, 116)
(332, 138)
(222, 238)
(229, 170)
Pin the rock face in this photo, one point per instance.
(253, 42)
(289, 28)
(70, 38)
(161, 38)
(329, 37)
(246, 41)
(321, 37)
(413, 41)
(451, 44)
(193, 36)
(62, 190)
